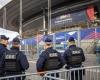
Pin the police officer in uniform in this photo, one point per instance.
(49, 59)
(15, 60)
(3, 49)
(74, 56)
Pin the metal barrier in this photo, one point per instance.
(84, 73)
(27, 76)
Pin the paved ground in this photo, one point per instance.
(90, 61)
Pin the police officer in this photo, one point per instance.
(49, 59)
(3, 49)
(21, 60)
(74, 56)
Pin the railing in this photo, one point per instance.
(27, 76)
(83, 73)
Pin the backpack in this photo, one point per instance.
(75, 57)
(53, 62)
(11, 64)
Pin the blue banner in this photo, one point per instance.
(64, 36)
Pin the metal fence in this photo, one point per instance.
(84, 73)
(27, 76)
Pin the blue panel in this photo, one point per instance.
(98, 30)
(74, 34)
(29, 41)
(86, 32)
(63, 36)
(59, 37)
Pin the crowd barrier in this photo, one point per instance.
(83, 73)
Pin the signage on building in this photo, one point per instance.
(70, 19)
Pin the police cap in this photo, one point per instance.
(4, 37)
(71, 39)
(48, 40)
(16, 40)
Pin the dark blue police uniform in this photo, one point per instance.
(43, 57)
(43, 63)
(3, 49)
(21, 58)
(68, 55)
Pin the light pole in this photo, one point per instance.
(4, 18)
(49, 16)
(44, 21)
(20, 24)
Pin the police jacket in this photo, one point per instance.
(3, 49)
(68, 53)
(44, 57)
(22, 59)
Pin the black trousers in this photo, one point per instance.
(76, 75)
(1, 73)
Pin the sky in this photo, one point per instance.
(3, 3)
